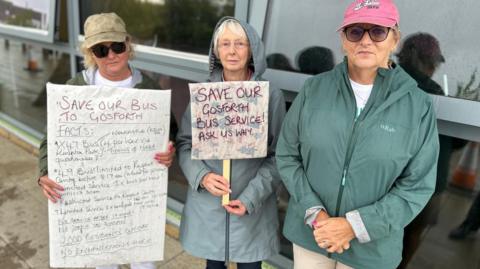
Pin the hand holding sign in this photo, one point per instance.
(166, 158)
(236, 207)
(51, 189)
(215, 184)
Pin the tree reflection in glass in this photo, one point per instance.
(184, 25)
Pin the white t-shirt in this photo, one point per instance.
(362, 93)
(99, 80)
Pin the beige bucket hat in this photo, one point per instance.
(104, 27)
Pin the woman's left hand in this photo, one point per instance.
(166, 158)
(334, 234)
(236, 207)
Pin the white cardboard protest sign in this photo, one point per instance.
(101, 147)
(229, 119)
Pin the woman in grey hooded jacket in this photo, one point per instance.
(236, 54)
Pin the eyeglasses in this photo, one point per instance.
(101, 50)
(376, 33)
(238, 45)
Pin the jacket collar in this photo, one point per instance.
(389, 86)
(89, 75)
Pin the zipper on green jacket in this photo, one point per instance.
(346, 165)
(343, 178)
(348, 157)
(358, 117)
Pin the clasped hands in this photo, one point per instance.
(332, 234)
(217, 186)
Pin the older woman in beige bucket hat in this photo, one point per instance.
(107, 49)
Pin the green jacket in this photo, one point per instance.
(381, 166)
(86, 77)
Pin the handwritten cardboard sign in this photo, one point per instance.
(229, 119)
(101, 145)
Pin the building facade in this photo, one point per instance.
(40, 40)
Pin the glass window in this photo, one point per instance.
(24, 71)
(443, 234)
(456, 40)
(33, 19)
(180, 25)
(314, 47)
(177, 184)
(25, 13)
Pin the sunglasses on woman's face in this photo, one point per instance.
(377, 33)
(101, 50)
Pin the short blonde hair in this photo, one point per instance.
(397, 32)
(232, 25)
(88, 57)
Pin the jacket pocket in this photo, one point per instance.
(387, 140)
(382, 151)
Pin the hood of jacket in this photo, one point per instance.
(390, 85)
(257, 63)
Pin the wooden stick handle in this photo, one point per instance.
(226, 175)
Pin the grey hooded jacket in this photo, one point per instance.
(254, 236)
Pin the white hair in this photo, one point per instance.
(232, 25)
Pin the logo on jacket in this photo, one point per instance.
(387, 128)
(368, 4)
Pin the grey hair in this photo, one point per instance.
(230, 24)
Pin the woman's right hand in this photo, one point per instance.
(334, 234)
(50, 188)
(323, 215)
(215, 184)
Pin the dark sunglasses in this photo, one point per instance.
(101, 50)
(377, 33)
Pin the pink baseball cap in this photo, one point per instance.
(379, 12)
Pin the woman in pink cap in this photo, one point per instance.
(358, 150)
